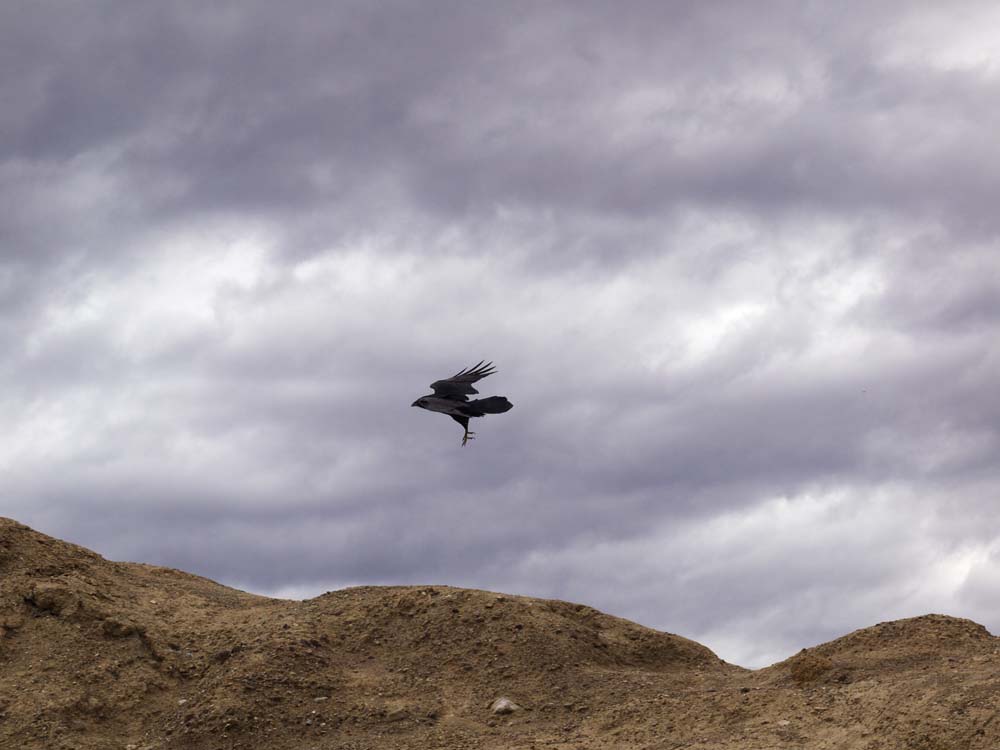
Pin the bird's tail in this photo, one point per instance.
(491, 405)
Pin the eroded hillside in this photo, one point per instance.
(99, 654)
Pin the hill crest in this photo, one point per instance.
(97, 654)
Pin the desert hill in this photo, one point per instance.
(97, 654)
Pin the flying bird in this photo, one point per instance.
(451, 397)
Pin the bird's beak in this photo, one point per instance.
(414, 403)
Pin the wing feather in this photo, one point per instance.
(459, 385)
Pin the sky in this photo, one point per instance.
(738, 266)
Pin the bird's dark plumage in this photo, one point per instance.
(459, 385)
(451, 397)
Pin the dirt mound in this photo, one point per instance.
(98, 654)
(926, 642)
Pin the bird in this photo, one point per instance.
(451, 397)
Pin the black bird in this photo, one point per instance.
(451, 397)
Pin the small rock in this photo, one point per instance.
(784, 723)
(321, 698)
(504, 706)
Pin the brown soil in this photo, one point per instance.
(97, 654)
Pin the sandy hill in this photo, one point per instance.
(99, 655)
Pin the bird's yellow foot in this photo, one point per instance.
(468, 436)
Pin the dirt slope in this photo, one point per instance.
(98, 654)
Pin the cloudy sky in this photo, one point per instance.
(738, 265)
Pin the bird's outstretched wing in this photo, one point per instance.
(459, 386)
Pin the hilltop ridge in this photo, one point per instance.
(97, 654)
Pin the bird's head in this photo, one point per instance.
(422, 403)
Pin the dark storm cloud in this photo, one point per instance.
(465, 109)
(735, 267)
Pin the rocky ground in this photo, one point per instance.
(99, 655)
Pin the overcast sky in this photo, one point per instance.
(738, 265)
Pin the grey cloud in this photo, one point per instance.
(469, 109)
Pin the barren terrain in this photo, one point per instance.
(97, 654)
